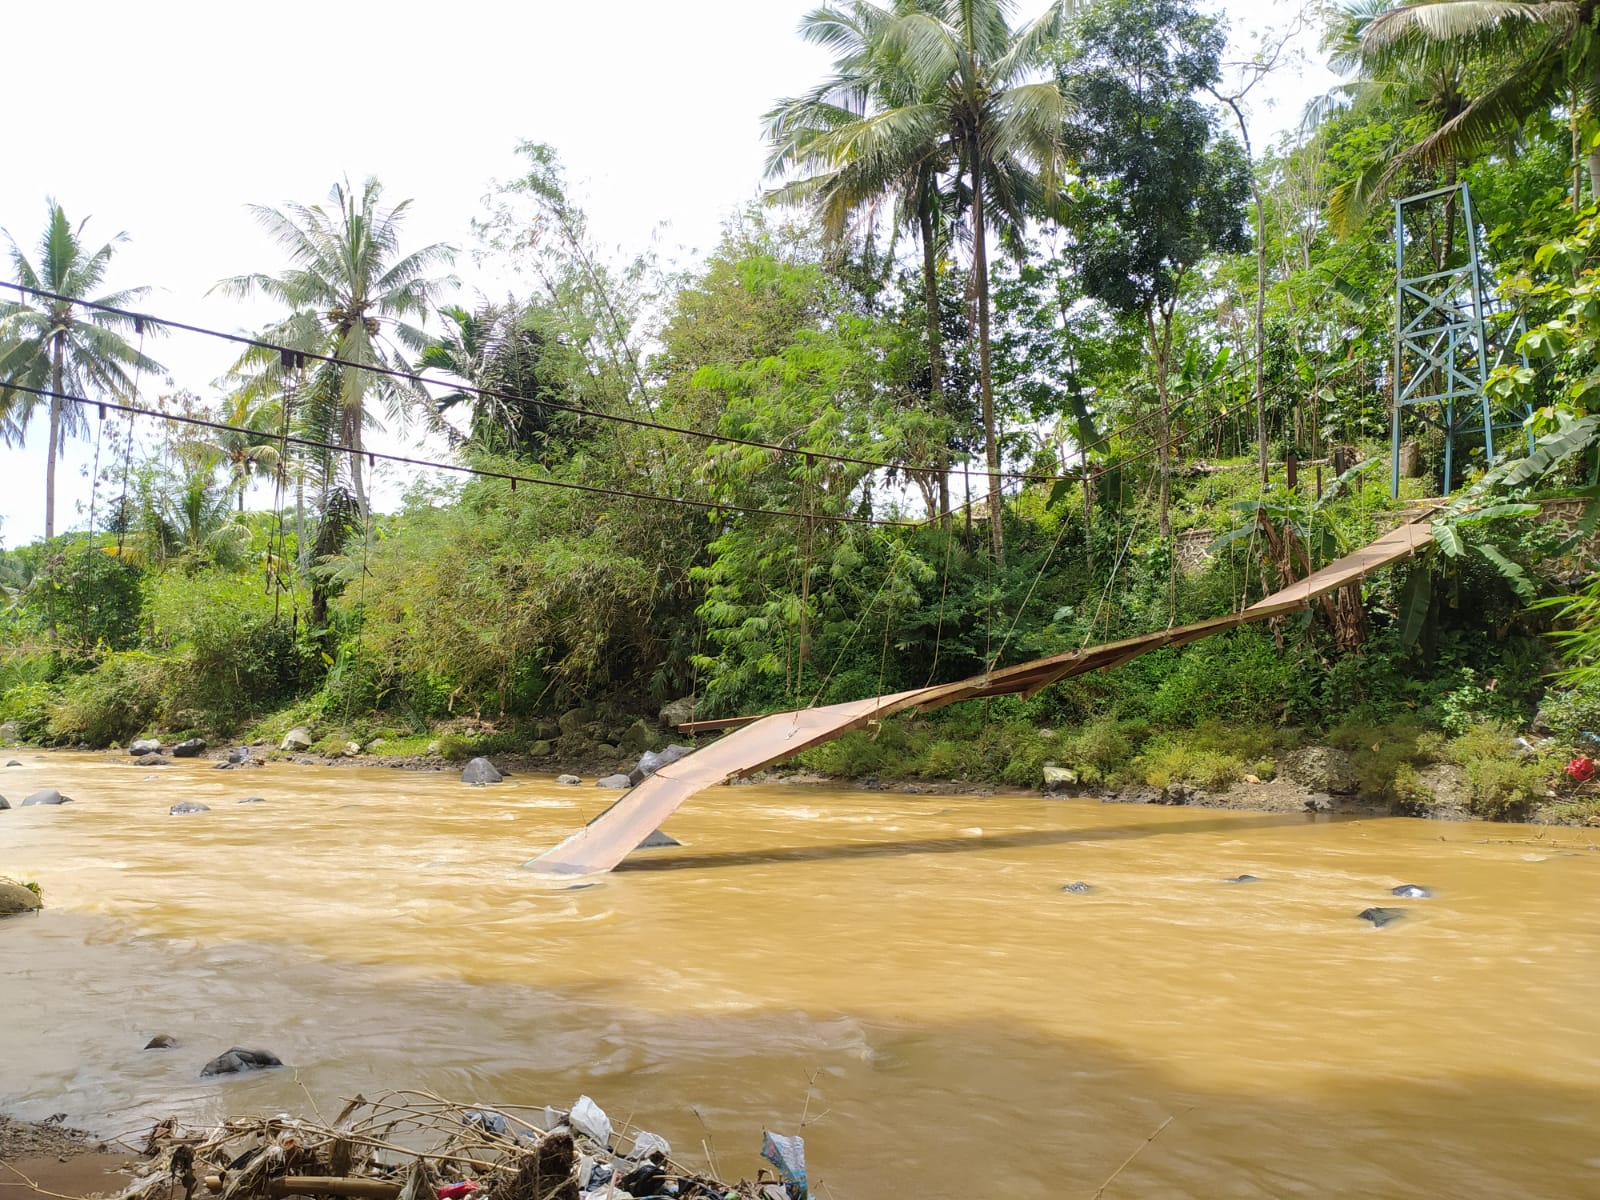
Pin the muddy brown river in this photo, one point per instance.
(901, 972)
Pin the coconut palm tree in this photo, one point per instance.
(55, 346)
(940, 85)
(1527, 57)
(498, 354)
(349, 292)
(805, 132)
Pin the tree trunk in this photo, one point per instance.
(57, 375)
(355, 467)
(991, 446)
(930, 298)
(1261, 334)
(1160, 348)
(1594, 172)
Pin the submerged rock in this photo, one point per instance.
(298, 738)
(16, 899)
(4, 804)
(1243, 879)
(568, 780)
(480, 771)
(253, 800)
(1080, 887)
(13, 763)
(193, 748)
(656, 840)
(161, 1041)
(1380, 916)
(46, 796)
(144, 746)
(188, 806)
(1412, 891)
(618, 782)
(151, 760)
(238, 1059)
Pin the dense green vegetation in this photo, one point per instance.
(827, 462)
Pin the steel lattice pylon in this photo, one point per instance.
(1449, 335)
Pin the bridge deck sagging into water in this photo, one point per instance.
(611, 836)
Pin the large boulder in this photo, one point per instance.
(1058, 777)
(239, 754)
(573, 720)
(15, 899)
(297, 739)
(46, 796)
(637, 736)
(546, 730)
(145, 746)
(238, 1059)
(1321, 769)
(652, 761)
(192, 748)
(541, 749)
(677, 712)
(617, 782)
(480, 771)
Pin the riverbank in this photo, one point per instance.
(1390, 771)
(45, 1160)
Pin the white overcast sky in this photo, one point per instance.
(165, 119)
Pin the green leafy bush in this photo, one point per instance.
(118, 700)
(29, 705)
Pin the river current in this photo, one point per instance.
(902, 973)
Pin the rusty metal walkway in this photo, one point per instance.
(611, 836)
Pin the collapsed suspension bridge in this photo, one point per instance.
(611, 836)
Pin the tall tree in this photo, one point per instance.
(970, 91)
(350, 291)
(498, 353)
(1522, 60)
(1162, 188)
(56, 346)
(829, 135)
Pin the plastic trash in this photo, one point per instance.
(646, 1143)
(455, 1191)
(787, 1152)
(589, 1119)
(1581, 769)
(489, 1122)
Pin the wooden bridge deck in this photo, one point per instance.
(611, 836)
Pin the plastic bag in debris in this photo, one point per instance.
(589, 1119)
(787, 1152)
(645, 1144)
(489, 1122)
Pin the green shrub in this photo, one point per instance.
(1385, 757)
(1098, 750)
(118, 700)
(1502, 780)
(1239, 677)
(1169, 760)
(1571, 713)
(29, 705)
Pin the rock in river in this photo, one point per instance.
(238, 1059)
(188, 806)
(480, 771)
(14, 899)
(618, 782)
(161, 1041)
(1080, 887)
(145, 746)
(657, 840)
(4, 804)
(568, 780)
(46, 796)
(192, 748)
(1412, 891)
(151, 760)
(298, 738)
(652, 761)
(1243, 879)
(1381, 916)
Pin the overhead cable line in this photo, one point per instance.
(637, 422)
(374, 456)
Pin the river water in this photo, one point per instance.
(902, 973)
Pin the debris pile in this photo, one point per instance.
(413, 1145)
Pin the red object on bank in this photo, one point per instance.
(1581, 769)
(455, 1191)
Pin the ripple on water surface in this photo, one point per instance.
(966, 1027)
